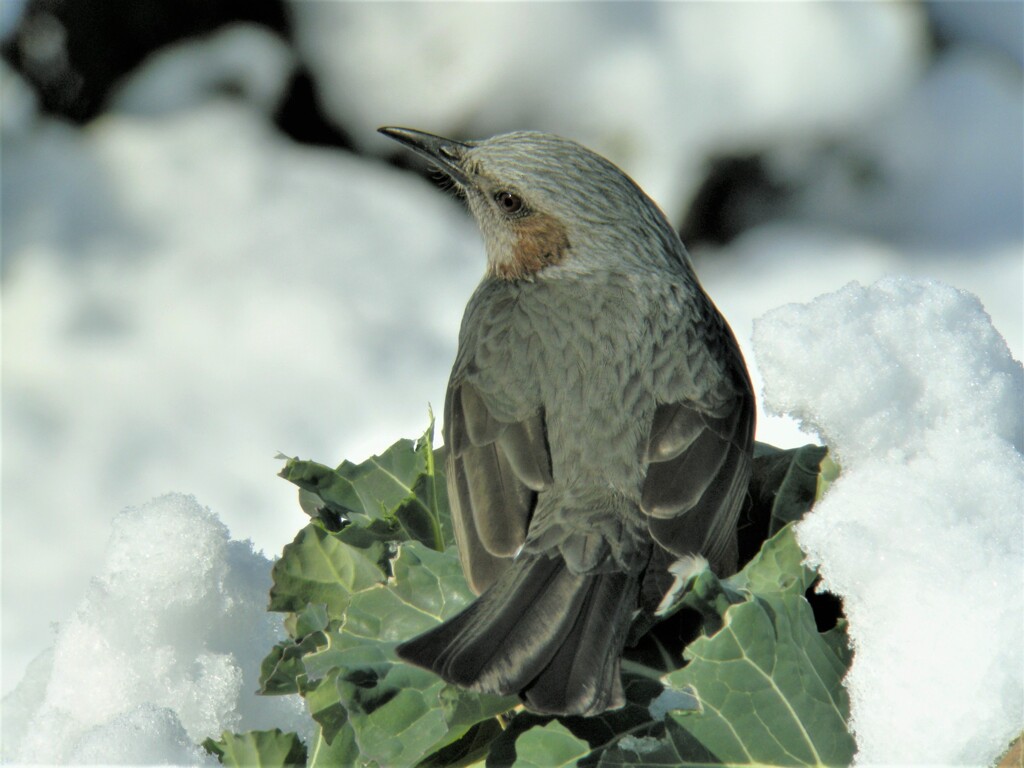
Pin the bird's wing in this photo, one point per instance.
(495, 470)
(699, 450)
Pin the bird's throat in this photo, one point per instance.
(539, 241)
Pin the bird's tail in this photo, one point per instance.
(552, 636)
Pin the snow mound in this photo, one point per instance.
(877, 371)
(922, 404)
(163, 651)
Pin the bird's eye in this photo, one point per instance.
(509, 203)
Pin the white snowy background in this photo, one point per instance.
(186, 292)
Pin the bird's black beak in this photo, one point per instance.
(444, 153)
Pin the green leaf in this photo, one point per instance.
(342, 751)
(399, 714)
(282, 671)
(398, 495)
(549, 746)
(798, 489)
(784, 483)
(312, 618)
(828, 474)
(839, 641)
(258, 748)
(319, 568)
(353, 593)
(406, 727)
(469, 750)
(783, 487)
(427, 588)
(769, 686)
(324, 704)
(778, 567)
(392, 710)
(675, 747)
(638, 718)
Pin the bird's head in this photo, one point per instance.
(543, 201)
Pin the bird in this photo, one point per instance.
(598, 422)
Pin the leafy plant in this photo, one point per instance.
(735, 671)
(270, 749)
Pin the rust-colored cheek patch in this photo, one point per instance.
(541, 241)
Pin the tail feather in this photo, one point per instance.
(515, 630)
(540, 631)
(583, 677)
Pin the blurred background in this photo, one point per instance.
(210, 256)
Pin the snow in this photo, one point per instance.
(186, 292)
(10, 13)
(887, 178)
(922, 405)
(168, 328)
(657, 87)
(243, 59)
(796, 261)
(994, 25)
(917, 359)
(157, 655)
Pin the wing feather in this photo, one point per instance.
(674, 428)
(481, 427)
(525, 446)
(501, 502)
(496, 469)
(699, 462)
(480, 567)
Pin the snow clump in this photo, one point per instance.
(163, 651)
(922, 405)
